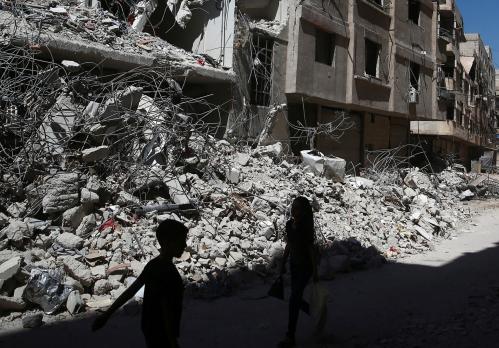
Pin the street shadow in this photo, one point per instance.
(389, 306)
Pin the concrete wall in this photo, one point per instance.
(210, 30)
(305, 76)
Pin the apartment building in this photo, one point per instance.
(372, 61)
(462, 127)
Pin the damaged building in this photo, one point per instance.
(117, 115)
(464, 102)
(347, 78)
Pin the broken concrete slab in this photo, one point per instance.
(9, 269)
(87, 225)
(233, 175)
(17, 209)
(274, 150)
(57, 128)
(88, 197)
(95, 154)
(423, 233)
(466, 195)
(16, 232)
(70, 65)
(75, 303)
(78, 271)
(32, 321)
(59, 192)
(73, 217)
(12, 304)
(242, 159)
(124, 100)
(177, 192)
(69, 241)
(418, 180)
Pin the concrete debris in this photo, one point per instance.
(59, 192)
(95, 154)
(8, 269)
(70, 65)
(32, 321)
(466, 195)
(69, 241)
(16, 232)
(78, 271)
(11, 304)
(112, 159)
(88, 197)
(75, 303)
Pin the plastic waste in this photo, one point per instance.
(45, 288)
(318, 305)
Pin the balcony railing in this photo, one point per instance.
(445, 34)
(446, 94)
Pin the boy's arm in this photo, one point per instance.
(101, 320)
(168, 319)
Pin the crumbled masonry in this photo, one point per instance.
(91, 163)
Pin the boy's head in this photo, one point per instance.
(172, 235)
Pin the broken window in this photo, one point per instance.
(372, 58)
(377, 2)
(446, 28)
(414, 11)
(261, 76)
(324, 47)
(449, 67)
(450, 112)
(414, 71)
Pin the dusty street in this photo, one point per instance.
(448, 297)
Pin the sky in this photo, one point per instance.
(482, 16)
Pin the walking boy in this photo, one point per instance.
(163, 295)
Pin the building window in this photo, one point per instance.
(324, 47)
(414, 11)
(377, 2)
(450, 112)
(261, 76)
(372, 58)
(414, 71)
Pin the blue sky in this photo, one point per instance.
(482, 16)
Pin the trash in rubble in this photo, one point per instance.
(330, 167)
(46, 288)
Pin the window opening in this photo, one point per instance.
(324, 47)
(372, 58)
(414, 71)
(414, 11)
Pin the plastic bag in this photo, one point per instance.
(277, 289)
(318, 305)
(45, 287)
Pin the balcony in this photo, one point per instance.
(446, 34)
(446, 94)
(447, 129)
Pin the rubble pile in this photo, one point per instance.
(91, 164)
(76, 23)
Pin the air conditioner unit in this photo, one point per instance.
(413, 95)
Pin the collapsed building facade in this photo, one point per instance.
(346, 78)
(116, 117)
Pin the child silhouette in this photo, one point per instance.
(164, 289)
